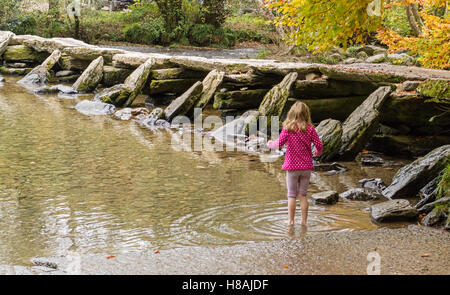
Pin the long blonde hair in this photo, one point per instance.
(298, 118)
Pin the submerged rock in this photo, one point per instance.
(91, 77)
(275, 100)
(331, 169)
(14, 71)
(330, 132)
(185, 103)
(237, 128)
(211, 83)
(56, 89)
(363, 123)
(370, 159)
(360, 194)
(376, 184)
(129, 113)
(41, 73)
(411, 178)
(328, 197)
(94, 108)
(393, 210)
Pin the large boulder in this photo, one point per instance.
(275, 100)
(363, 123)
(210, 85)
(5, 37)
(41, 73)
(411, 178)
(393, 210)
(185, 103)
(91, 77)
(239, 99)
(330, 132)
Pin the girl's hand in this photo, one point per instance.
(315, 154)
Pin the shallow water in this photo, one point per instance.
(70, 182)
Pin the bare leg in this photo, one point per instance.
(304, 206)
(291, 208)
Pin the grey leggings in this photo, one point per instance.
(297, 182)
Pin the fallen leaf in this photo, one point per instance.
(109, 257)
(157, 252)
(426, 255)
(285, 266)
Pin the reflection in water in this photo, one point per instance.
(93, 184)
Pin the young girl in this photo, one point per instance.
(298, 133)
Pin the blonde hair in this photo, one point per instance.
(298, 118)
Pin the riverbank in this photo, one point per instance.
(409, 250)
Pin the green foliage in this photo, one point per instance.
(396, 20)
(21, 25)
(146, 33)
(8, 10)
(208, 35)
(444, 184)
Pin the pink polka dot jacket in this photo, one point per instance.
(298, 148)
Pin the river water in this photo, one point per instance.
(70, 182)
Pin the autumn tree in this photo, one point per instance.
(319, 25)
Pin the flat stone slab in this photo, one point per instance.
(393, 210)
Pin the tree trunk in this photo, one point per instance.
(412, 21)
(417, 16)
